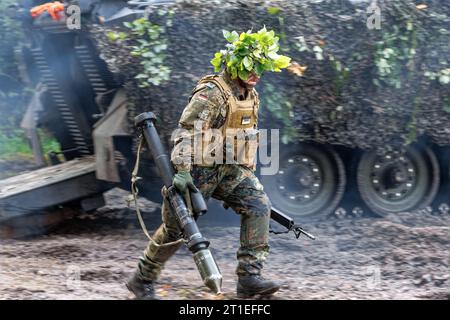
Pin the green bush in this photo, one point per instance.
(14, 94)
(14, 143)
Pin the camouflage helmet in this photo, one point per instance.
(250, 52)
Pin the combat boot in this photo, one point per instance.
(251, 285)
(142, 289)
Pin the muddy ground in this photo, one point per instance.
(403, 256)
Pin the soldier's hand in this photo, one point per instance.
(183, 180)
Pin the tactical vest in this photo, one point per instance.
(239, 131)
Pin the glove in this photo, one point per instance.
(183, 180)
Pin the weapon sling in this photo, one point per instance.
(134, 197)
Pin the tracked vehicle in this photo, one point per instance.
(363, 123)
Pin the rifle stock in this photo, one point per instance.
(289, 224)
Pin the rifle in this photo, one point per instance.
(286, 222)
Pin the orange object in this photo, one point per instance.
(53, 9)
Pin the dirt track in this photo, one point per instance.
(406, 256)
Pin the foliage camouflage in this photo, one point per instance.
(250, 51)
(360, 87)
(13, 93)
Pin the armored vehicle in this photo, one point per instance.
(362, 113)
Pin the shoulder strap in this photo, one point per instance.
(256, 95)
(197, 88)
(220, 83)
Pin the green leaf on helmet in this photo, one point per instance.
(234, 36)
(230, 36)
(232, 60)
(273, 55)
(243, 74)
(217, 61)
(250, 51)
(274, 47)
(233, 71)
(257, 54)
(282, 62)
(242, 51)
(266, 51)
(263, 30)
(248, 63)
(264, 39)
(259, 69)
(269, 65)
(226, 34)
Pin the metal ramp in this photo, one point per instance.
(65, 107)
(47, 187)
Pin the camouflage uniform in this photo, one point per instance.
(234, 184)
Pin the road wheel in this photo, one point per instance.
(310, 181)
(441, 202)
(398, 182)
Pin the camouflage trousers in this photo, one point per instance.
(241, 190)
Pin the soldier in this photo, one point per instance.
(224, 101)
